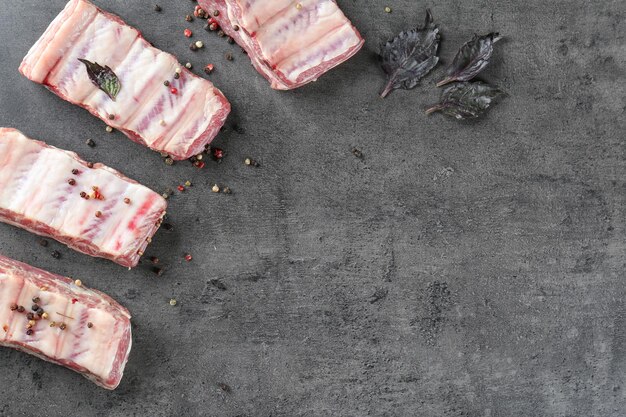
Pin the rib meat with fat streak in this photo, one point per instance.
(51, 317)
(91, 208)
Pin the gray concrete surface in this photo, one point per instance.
(458, 269)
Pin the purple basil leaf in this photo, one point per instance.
(466, 100)
(103, 77)
(411, 55)
(471, 59)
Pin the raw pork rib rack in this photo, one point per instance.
(179, 119)
(289, 42)
(90, 207)
(51, 317)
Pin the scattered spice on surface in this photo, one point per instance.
(251, 162)
(36, 300)
(31, 323)
(168, 226)
(193, 46)
(62, 326)
(29, 332)
(162, 122)
(188, 33)
(176, 76)
(208, 68)
(356, 152)
(13, 307)
(221, 34)
(91, 143)
(56, 254)
(5, 328)
(20, 309)
(178, 70)
(189, 18)
(298, 6)
(90, 165)
(89, 325)
(154, 260)
(188, 257)
(188, 65)
(166, 83)
(96, 193)
(53, 323)
(199, 12)
(181, 188)
(216, 13)
(213, 26)
(157, 8)
(157, 270)
(98, 213)
(387, 9)
(199, 44)
(109, 129)
(126, 200)
(75, 171)
(78, 283)
(235, 28)
(40, 311)
(224, 387)
(74, 300)
(173, 302)
(43, 242)
(199, 164)
(34, 307)
(169, 161)
(229, 56)
(207, 27)
(84, 195)
(215, 188)
(227, 190)
(174, 90)
(238, 129)
(45, 316)
(111, 117)
(30, 316)
(188, 183)
(230, 40)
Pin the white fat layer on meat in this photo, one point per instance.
(94, 349)
(294, 39)
(144, 108)
(34, 185)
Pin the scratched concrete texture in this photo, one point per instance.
(457, 269)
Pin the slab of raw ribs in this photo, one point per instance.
(289, 42)
(90, 207)
(60, 321)
(178, 119)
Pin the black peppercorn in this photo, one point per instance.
(229, 56)
(71, 181)
(176, 75)
(166, 83)
(20, 309)
(29, 332)
(193, 46)
(75, 171)
(35, 307)
(13, 307)
(56, 254)
(189, 18)
(30, 316)
(157, 8)
(111, 116)
(62, 326)
(43, 242)
(40, 311)
(230, 40)
(89, 325)
(235, 28)
(91, 143)
(221, 34)
(36, 300)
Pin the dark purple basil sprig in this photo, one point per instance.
(464, 100)
(411, 55)
(103, 77)
(471, 59)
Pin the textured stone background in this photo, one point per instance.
(459, 269)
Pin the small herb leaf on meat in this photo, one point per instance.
(471, 59)
(411, 55)
(103, 77)
(466, 100)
